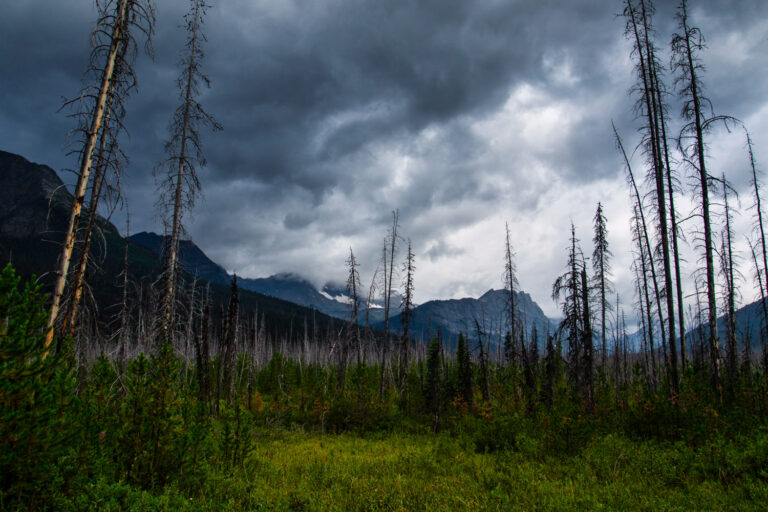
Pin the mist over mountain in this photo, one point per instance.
(34, 204)
(450, 316)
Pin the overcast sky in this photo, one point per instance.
(463, 115)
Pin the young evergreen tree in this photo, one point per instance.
(37, 399)
(180, 186)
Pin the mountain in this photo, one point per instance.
(285, 286)
(459, 315)
(191, 258)
(34, 212)
(749, 320)
(33, 200)
(452, 316)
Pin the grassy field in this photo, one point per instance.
(301, 471)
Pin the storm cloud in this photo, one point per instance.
(462, 115)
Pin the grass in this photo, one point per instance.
(304, 471)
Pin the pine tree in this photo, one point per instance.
(482, 363)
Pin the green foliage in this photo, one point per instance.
(289, 437)
(36, 396)
(432, 380)
(464, 373)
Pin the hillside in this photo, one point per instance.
(34, 205)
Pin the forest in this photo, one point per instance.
(184, 395)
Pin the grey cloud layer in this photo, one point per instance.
(337, 112)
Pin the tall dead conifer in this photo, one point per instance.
(685, 62)
(180, 185)
(113, 48)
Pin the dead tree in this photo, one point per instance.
(406, 308)
(760, 229)
(640, 30)
(368, 304)
(764, 323)
(601, 265)
(390, 246)
(729, 275)
(113, 48)
(180, 185)
(353, 287)
(567, 287)
(588, 362)
(227, 356)
(685, 62)
(510, 283)
(643, 238)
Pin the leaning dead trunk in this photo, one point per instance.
(117, 40)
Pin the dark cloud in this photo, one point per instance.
(337, 112)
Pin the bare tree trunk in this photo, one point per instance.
(510, 279)
(647, 65)
(683, 46)
(761, 241)
(85, 167)
(184, 140)
(730, 289)
(70, 318)
(388, 300)
(589, 382)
